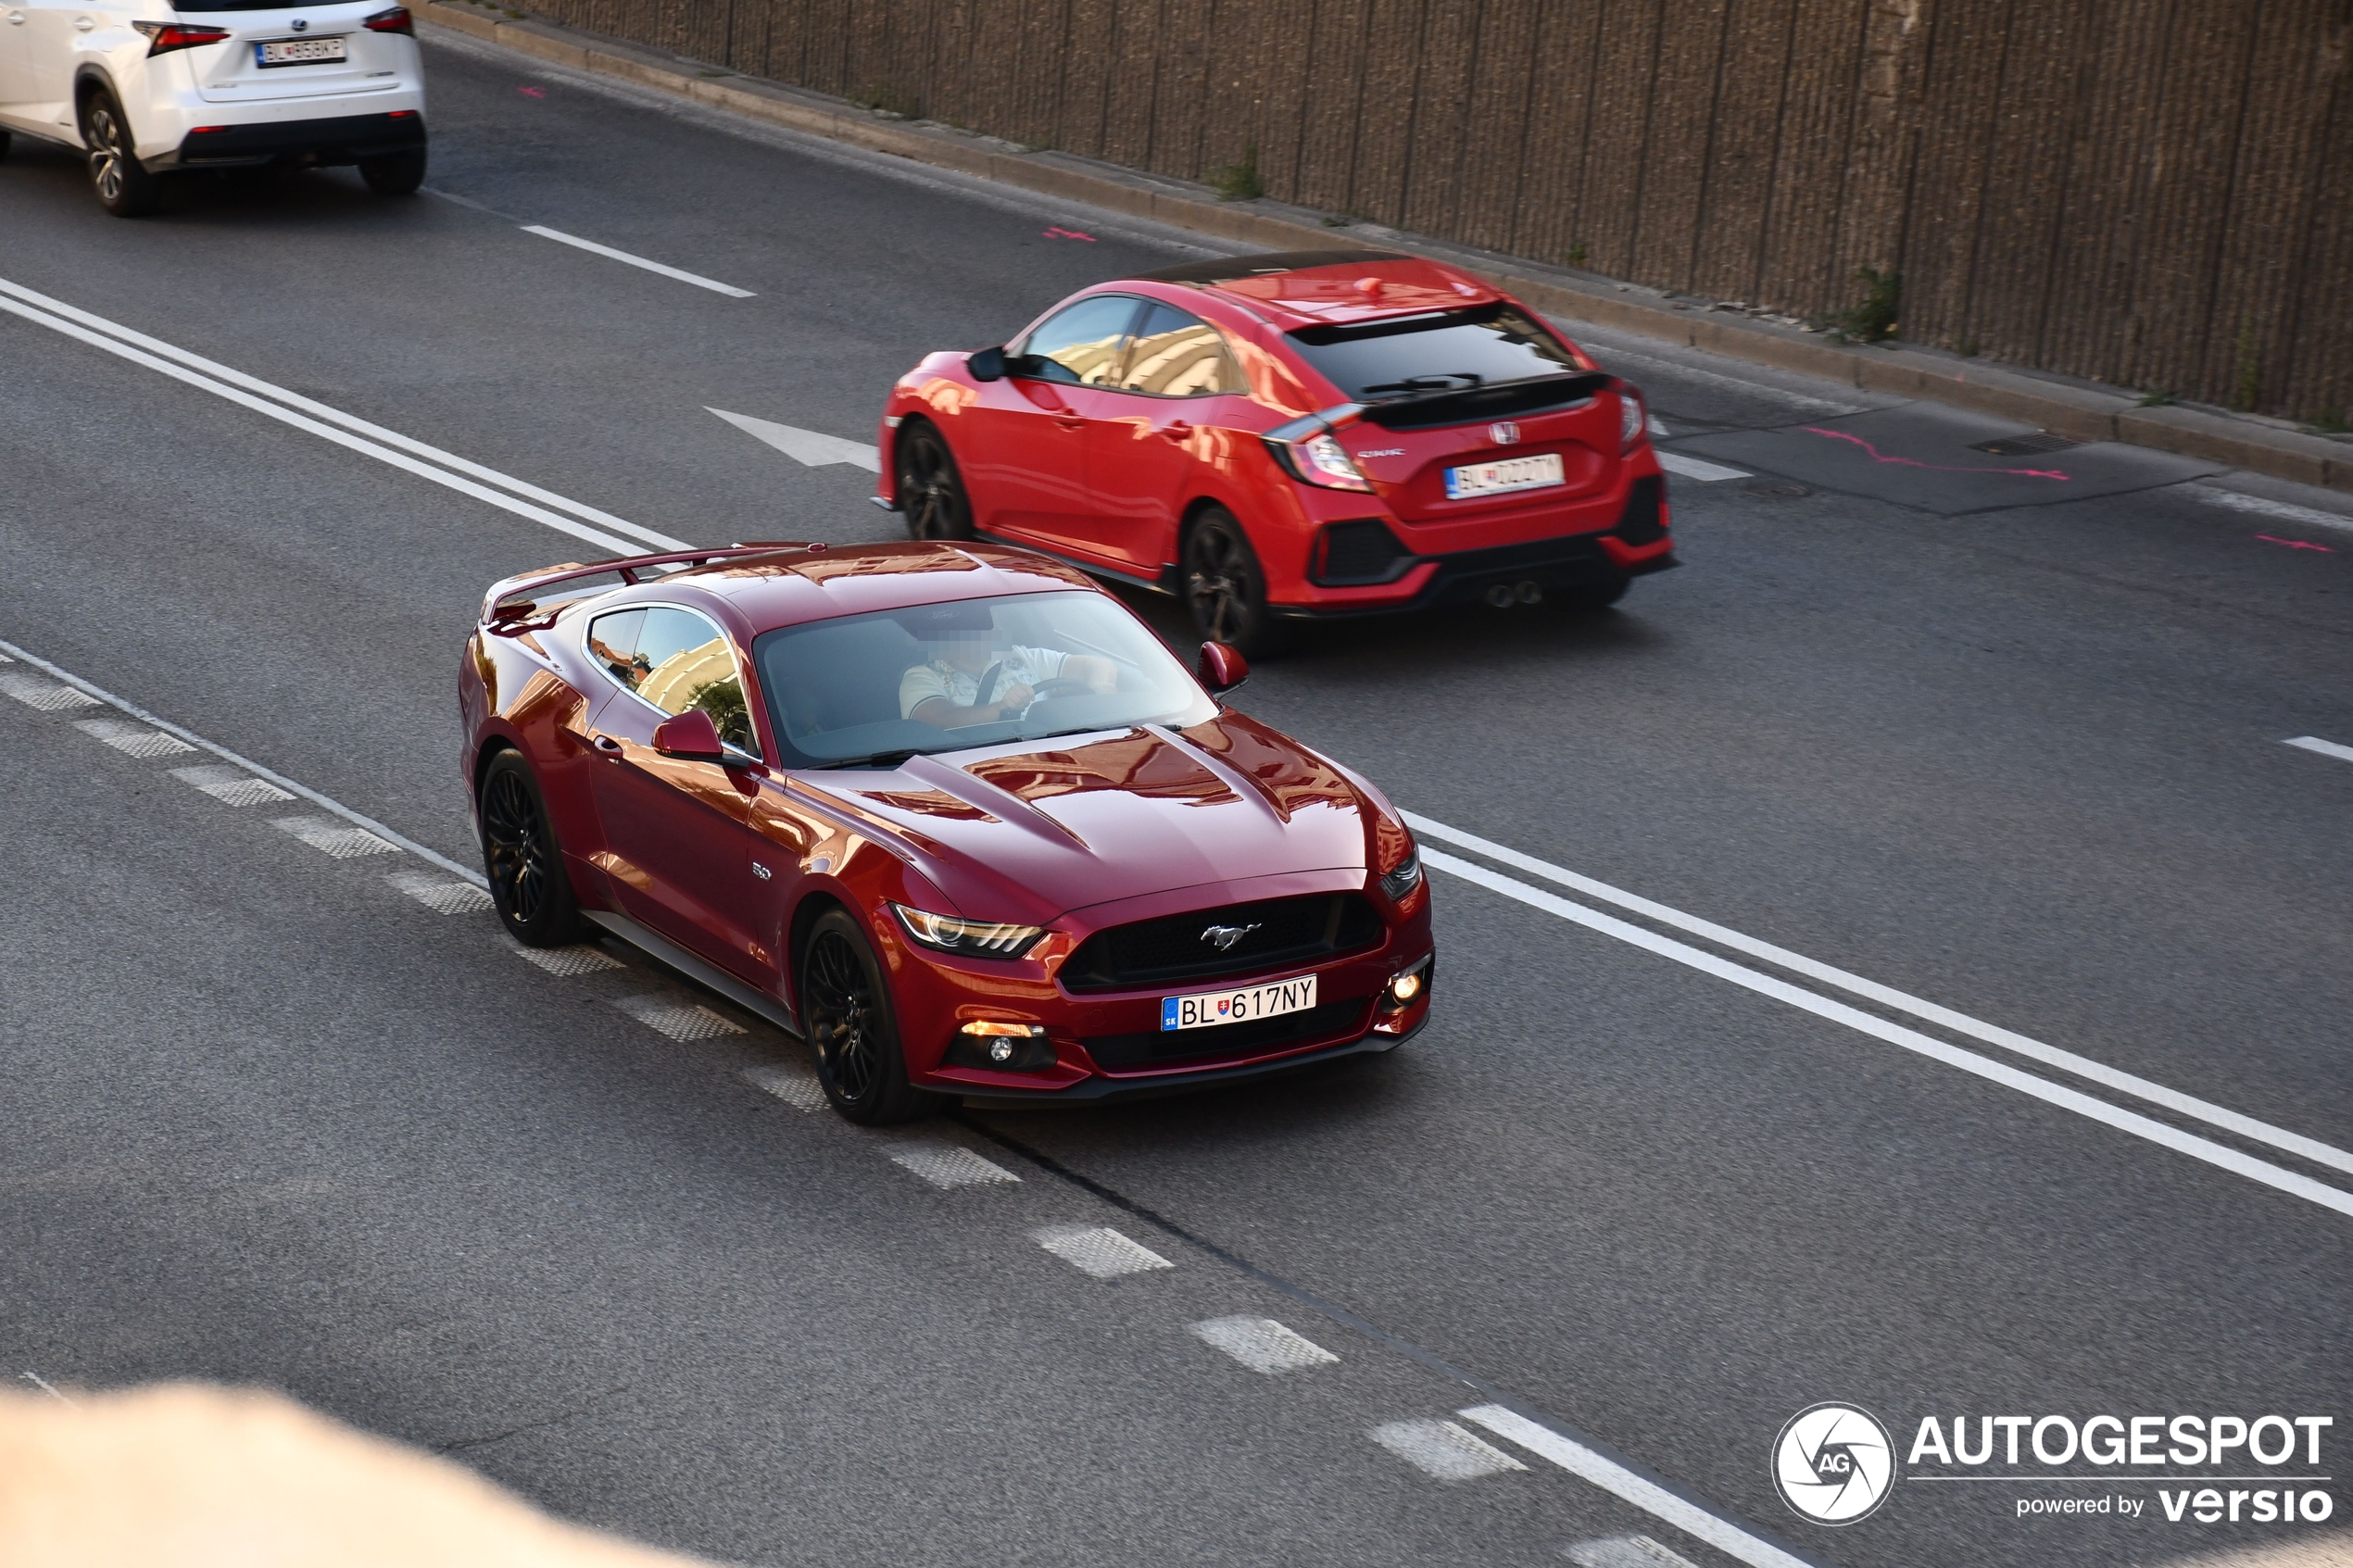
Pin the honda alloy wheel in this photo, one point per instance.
(528, 884)
(1224, 586)
(931, 490)
(847, 1016)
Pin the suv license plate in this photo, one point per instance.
(1206, 1010)
(299, 52)
(1510, 473)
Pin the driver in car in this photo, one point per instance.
(972, 679)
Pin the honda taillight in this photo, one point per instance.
(398, 20)
(164, 37)
(1632, 418)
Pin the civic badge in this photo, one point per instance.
(1502, 433)
(300, 25)
(1224, 936)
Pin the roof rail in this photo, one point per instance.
(627, 567)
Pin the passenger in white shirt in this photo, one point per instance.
(972, 679)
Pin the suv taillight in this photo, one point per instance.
(164, 37)
(398, 20)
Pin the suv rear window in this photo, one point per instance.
(1450, 351)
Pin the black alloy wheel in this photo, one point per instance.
(528, 884)
(123, 184)
(931, 491)
(396, 174)
(1224, 586)
(846, 1012)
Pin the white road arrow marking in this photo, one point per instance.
(808, 447)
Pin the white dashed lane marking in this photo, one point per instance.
(135, 740)
(1693, 468)
(683, 1021)
(1443, 1451)
(945, 1164)
(1625, 1551)
(565, 962)
(730, 289)
(47, 696)
(2325, 748)
(797, 1087)
(2286, 511)
(1263, 1345)
(1098, 1250)
(231, 786)
(441, 894)
(330, 837)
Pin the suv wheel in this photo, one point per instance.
(398, 174)
(124, 187)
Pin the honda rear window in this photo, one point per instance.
(1450, 351)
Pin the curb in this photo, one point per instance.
(2079, 413)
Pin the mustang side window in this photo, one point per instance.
(1081, 345)
(612, 643)
(676, 660)
(1179, 355)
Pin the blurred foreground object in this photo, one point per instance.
(190, 1475)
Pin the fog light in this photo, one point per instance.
(1405, 988)
(1000, 1051)
(1012, 1047)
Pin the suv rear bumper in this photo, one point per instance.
(343, 138)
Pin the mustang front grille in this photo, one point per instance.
(1275, 934)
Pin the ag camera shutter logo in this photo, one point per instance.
(1834, 1464)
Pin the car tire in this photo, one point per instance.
(396, 175)
(123, 185)
(931, 487)
(1591, 598)
(1224, 587)
(846, 1017)
(529, 885)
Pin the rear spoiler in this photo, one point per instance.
(503, 603)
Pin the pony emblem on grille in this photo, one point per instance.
(1224, 936)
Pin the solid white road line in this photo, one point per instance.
(1616, 1479)
(1261, 1344)
(2287, 511)
(945, 1164)
(43, 1384)
(683, 1021)
(1443, 1451)
(697, 280)
(360, 435)
(1961, 1024)
(132, 740)
(1098, 1250)
(2325, 748)
(1910, 1039)
(305, 791)
(808, 447)
(1695, 468)
(441, 895)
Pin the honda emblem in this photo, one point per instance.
(1504, 433)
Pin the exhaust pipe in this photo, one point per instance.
(1501, 597)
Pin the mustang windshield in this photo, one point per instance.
(871, 690)
(1451, 350)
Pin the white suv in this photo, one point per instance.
(144, 89)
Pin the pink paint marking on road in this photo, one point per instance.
(1878, 456)
(2299, 544)
(1069, 234)
(533, 91)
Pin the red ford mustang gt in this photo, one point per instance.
(950, 813)
(1288, 436)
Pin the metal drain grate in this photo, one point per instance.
(2024, 445)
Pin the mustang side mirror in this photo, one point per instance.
(1222, 668)
(987, 364)
(690, 736)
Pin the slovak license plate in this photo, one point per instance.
(1208, 1008)
(299, 52)
(1507, 473)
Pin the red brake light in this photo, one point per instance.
(164, 37)
(398, 20)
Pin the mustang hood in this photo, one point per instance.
(1027, 834)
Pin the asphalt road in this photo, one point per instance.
(2007, 743)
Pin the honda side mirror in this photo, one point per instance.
(1222, 668)
(989, 364)
(690, 736)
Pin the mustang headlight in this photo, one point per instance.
(972, 938)
(1405, 878)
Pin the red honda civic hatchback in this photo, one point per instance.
(949, 812)
(1284, 437)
